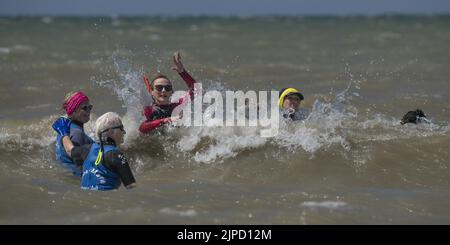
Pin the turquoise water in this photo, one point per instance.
(350, 162)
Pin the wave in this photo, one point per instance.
(18, 48)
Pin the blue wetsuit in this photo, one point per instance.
(98, 175)
(78, 138)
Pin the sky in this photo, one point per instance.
(222, 7)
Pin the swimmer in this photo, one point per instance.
(105, 167)
(161, 89)
(289, 103)
(78, 110)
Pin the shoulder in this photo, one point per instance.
(116, 157)
(75, 129)
(77, 136)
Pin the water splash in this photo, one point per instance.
(130, 90)
(334, 125)
(328, 123)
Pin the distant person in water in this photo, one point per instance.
(415, 117)
(105, 167)
(78, 110)
(289, 102)
(161, 89)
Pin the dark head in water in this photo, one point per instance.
(413, 117)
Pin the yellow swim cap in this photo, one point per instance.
(288, 91)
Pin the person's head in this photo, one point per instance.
(109, 125)
(290, 98)
(416, 116)
(161, 89)
(77, 107)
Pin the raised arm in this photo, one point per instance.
(179, 67)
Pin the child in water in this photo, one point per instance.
(161, 89)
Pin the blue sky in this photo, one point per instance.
(221, 7)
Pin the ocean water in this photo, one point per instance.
(349, 162)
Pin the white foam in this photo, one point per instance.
(325, 204)
(328, 123)
(182, 213)
(5, 50)
(47, 20)
(131, 91)
(17, 47)
(27, 137)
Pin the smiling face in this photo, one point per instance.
(117, 134)
(161, 91)
(83, 113)
(292, 102)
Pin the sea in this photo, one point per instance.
(350, 161)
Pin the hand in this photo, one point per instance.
(62, 126)
(171, 119)
(177, 61)
(175, 118)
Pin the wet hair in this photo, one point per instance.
(105, 122)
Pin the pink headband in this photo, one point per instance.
(74, 101)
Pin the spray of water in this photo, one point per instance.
(327, 124)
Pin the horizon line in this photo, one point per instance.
(385, 14)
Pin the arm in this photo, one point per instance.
(184, 74)
(80, 153)
(148, 126)
(62, 127)
(119, 163)
(77, 153)
(190, 81)
(68, 145)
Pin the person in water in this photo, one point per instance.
(105, 167)
(417, 116)
(161, 89)
(78, 110)
(289, 102)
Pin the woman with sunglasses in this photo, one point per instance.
(78, 109)
(160, 88)
(105, 167)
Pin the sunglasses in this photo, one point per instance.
(160, 88)
(119, 127)
(87, 107)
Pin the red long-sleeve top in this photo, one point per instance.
(153, 112)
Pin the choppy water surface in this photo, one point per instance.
(349, 162)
